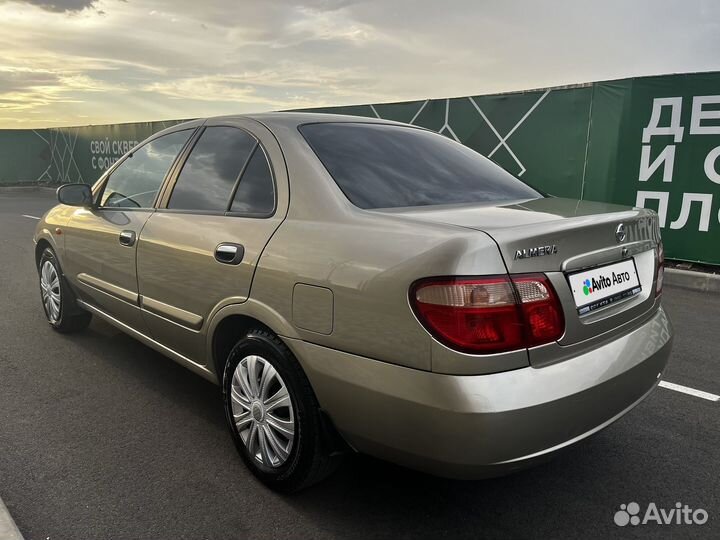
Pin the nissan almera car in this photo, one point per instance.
(355, 284)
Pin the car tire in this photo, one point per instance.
(254, 411)
(59, 301)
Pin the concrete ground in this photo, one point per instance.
(100, 437)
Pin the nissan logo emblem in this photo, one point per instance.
(620, 233)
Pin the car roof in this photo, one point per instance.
(278, 121)
(293, 119)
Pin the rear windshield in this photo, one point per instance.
(386, 166)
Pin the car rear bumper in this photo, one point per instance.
(484, 425)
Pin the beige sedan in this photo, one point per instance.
(363, 285)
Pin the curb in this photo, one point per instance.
(696, 281)
(8, 529)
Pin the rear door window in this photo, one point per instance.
(387, 166)
(255, 195)
(211, 172)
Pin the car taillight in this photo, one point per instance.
(541, 309)
(660, 273)
(489, 314)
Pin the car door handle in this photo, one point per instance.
(228, 253)
(127, 238)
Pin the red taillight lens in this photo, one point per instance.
(476, 315)
(660, 273)
(541, 309)
(490, 314)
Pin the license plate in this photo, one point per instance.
(601, 286)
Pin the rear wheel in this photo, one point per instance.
(273, 415)
(58, 300)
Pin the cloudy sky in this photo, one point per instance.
(74, 62)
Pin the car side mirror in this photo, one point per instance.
(75, 195)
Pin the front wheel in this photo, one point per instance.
(273, 414)
(58, 299)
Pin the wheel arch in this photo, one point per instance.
(233, 322)
(226, 334)
(40, 247)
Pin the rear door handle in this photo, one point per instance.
(127, 238)
(228, 253)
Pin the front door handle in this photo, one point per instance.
(127, 238)
(228, 253)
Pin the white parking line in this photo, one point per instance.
(689, 391)
(8, 529)
(30, 217)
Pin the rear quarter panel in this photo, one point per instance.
(369, 263)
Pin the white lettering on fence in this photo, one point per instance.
(705, 200)
(675, 129)
(659, 196)
(710, 168)
(699, 114)
(666, 157)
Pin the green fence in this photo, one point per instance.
(649, 141)
(73, 154)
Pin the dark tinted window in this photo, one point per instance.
(212, 169)
(256, 192)
(384, 166)
(136, 181)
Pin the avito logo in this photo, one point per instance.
(590, 285)
(682, 514)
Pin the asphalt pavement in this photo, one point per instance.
(101, 437)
